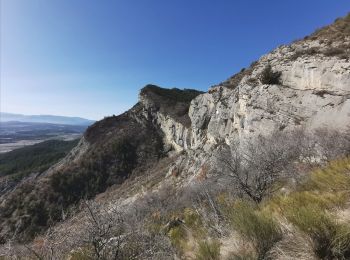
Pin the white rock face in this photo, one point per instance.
(176, 134)
(329, 75)
(250, 110)
(314, 91)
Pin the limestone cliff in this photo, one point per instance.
(314, 91)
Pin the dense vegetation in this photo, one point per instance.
(112, 165)
(35, 158)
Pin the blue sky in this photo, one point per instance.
(90, 58)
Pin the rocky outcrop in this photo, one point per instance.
(314, 91)
(330, 75)
(168, 109)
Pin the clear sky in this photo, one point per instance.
(90, 58)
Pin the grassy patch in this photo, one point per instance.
(333, 178)
(178, 237)
(331, 239)
(338, 31)
(193, 221)
(309, 209)
(242, 256)
(256, 226)
(208, 250)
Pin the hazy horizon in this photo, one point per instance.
(56, 115)
(90, 58)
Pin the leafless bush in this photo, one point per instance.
(112, 234)
(104, 232)
(332, 143)
(257, 164)
(50, 245)
(205, 202)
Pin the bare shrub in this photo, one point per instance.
(256, 165)
(104, 232)
(332, 143)
(206, 205)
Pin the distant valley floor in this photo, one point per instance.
(14, 135)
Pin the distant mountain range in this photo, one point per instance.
(6, 117)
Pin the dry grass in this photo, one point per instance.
(306, 216)
(208, 250)
(256, 226)
(333, 178)
(309, 209)
(337, 31)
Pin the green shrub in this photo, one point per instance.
(268, 76)
(256, 226)
(208, 250)
(177, 236)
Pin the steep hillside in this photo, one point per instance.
(110, 151)
(215, 175)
